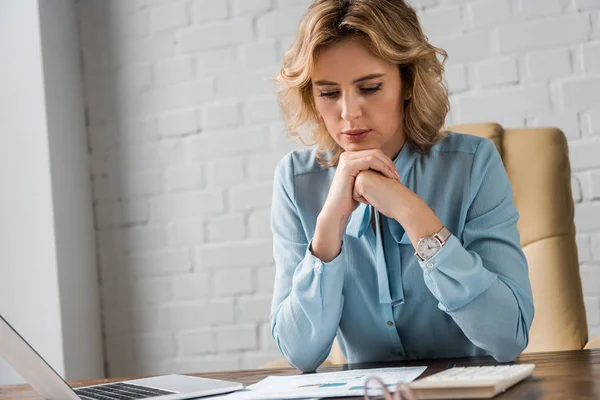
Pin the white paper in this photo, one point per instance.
(334, 384)
(249, 395)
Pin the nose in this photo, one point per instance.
(351, 107)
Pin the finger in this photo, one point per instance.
(374, 163)
(375, 153)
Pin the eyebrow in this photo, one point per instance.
(364, 78)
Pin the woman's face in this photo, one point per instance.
(359, 96)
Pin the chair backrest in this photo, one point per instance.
(537, 163)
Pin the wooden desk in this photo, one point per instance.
(557, 375)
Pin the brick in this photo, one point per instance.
(587, 218)
(253, 309)
(492, 104)
(542, 8)
(587, 4)
(184, 95)
(180, 123)
(467, 47)
(184, 177)
(591, 57)
(196, 342)
(595, 247)
(187, 317)
(160, 262)
(281, 22)
(190, 287)
(583, 248)
(231, 32)
(591, 120)
(119, 213)
(251, 196)
(191, 205)
(498, 71)
(138, 238)
(186, 233)
(595, 185)
(216, 61)
(259, 54)
(583, 154)
(266, 340)
(265, 279)
(543, 33)
(590, 276)
(226, 228)
(595, 25)
(149, 292)
(253, 83)
(548, 64)
(239, 337)
(576, 190)
(233, 282)
(222, 115)
(592, 309)
(133, 78)
(442, 21)
(223, 172)
(153, 345)
(147, 157)
(456, 78)
(489, 12)
(261, 166)
(238, 254)
(133, 184)
(211, 363)
(206, 10)
(133, 24)
(251, 7)
(137, 130)
(288, 3)
(260, 109)
(173, 71)
(139, 50)
(260, 224)
(167, 16)
(254, 360)
(225, 143)
(567, 121)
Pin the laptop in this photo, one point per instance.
(42, 377)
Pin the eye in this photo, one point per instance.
(371, 89)
(329, 95)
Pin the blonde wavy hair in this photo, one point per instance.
(391, 31)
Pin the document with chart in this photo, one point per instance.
(334, 384)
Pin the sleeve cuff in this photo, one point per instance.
(456, 276)
(318, 265)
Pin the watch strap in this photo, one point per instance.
(443, 235)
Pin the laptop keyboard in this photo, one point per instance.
(119, 391)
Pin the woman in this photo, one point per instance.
(396, 237)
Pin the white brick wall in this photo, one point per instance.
(185, 131)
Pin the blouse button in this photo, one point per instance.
(390, 323)
(429, 265)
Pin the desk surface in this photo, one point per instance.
(557, 375)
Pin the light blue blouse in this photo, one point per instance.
(472, 298)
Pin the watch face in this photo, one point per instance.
(428, 247)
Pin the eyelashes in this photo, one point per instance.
(369, 90)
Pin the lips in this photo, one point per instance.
(356, 135)
(353, 132)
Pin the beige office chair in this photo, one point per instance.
(537, 163)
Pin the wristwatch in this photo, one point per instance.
(429, 246)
